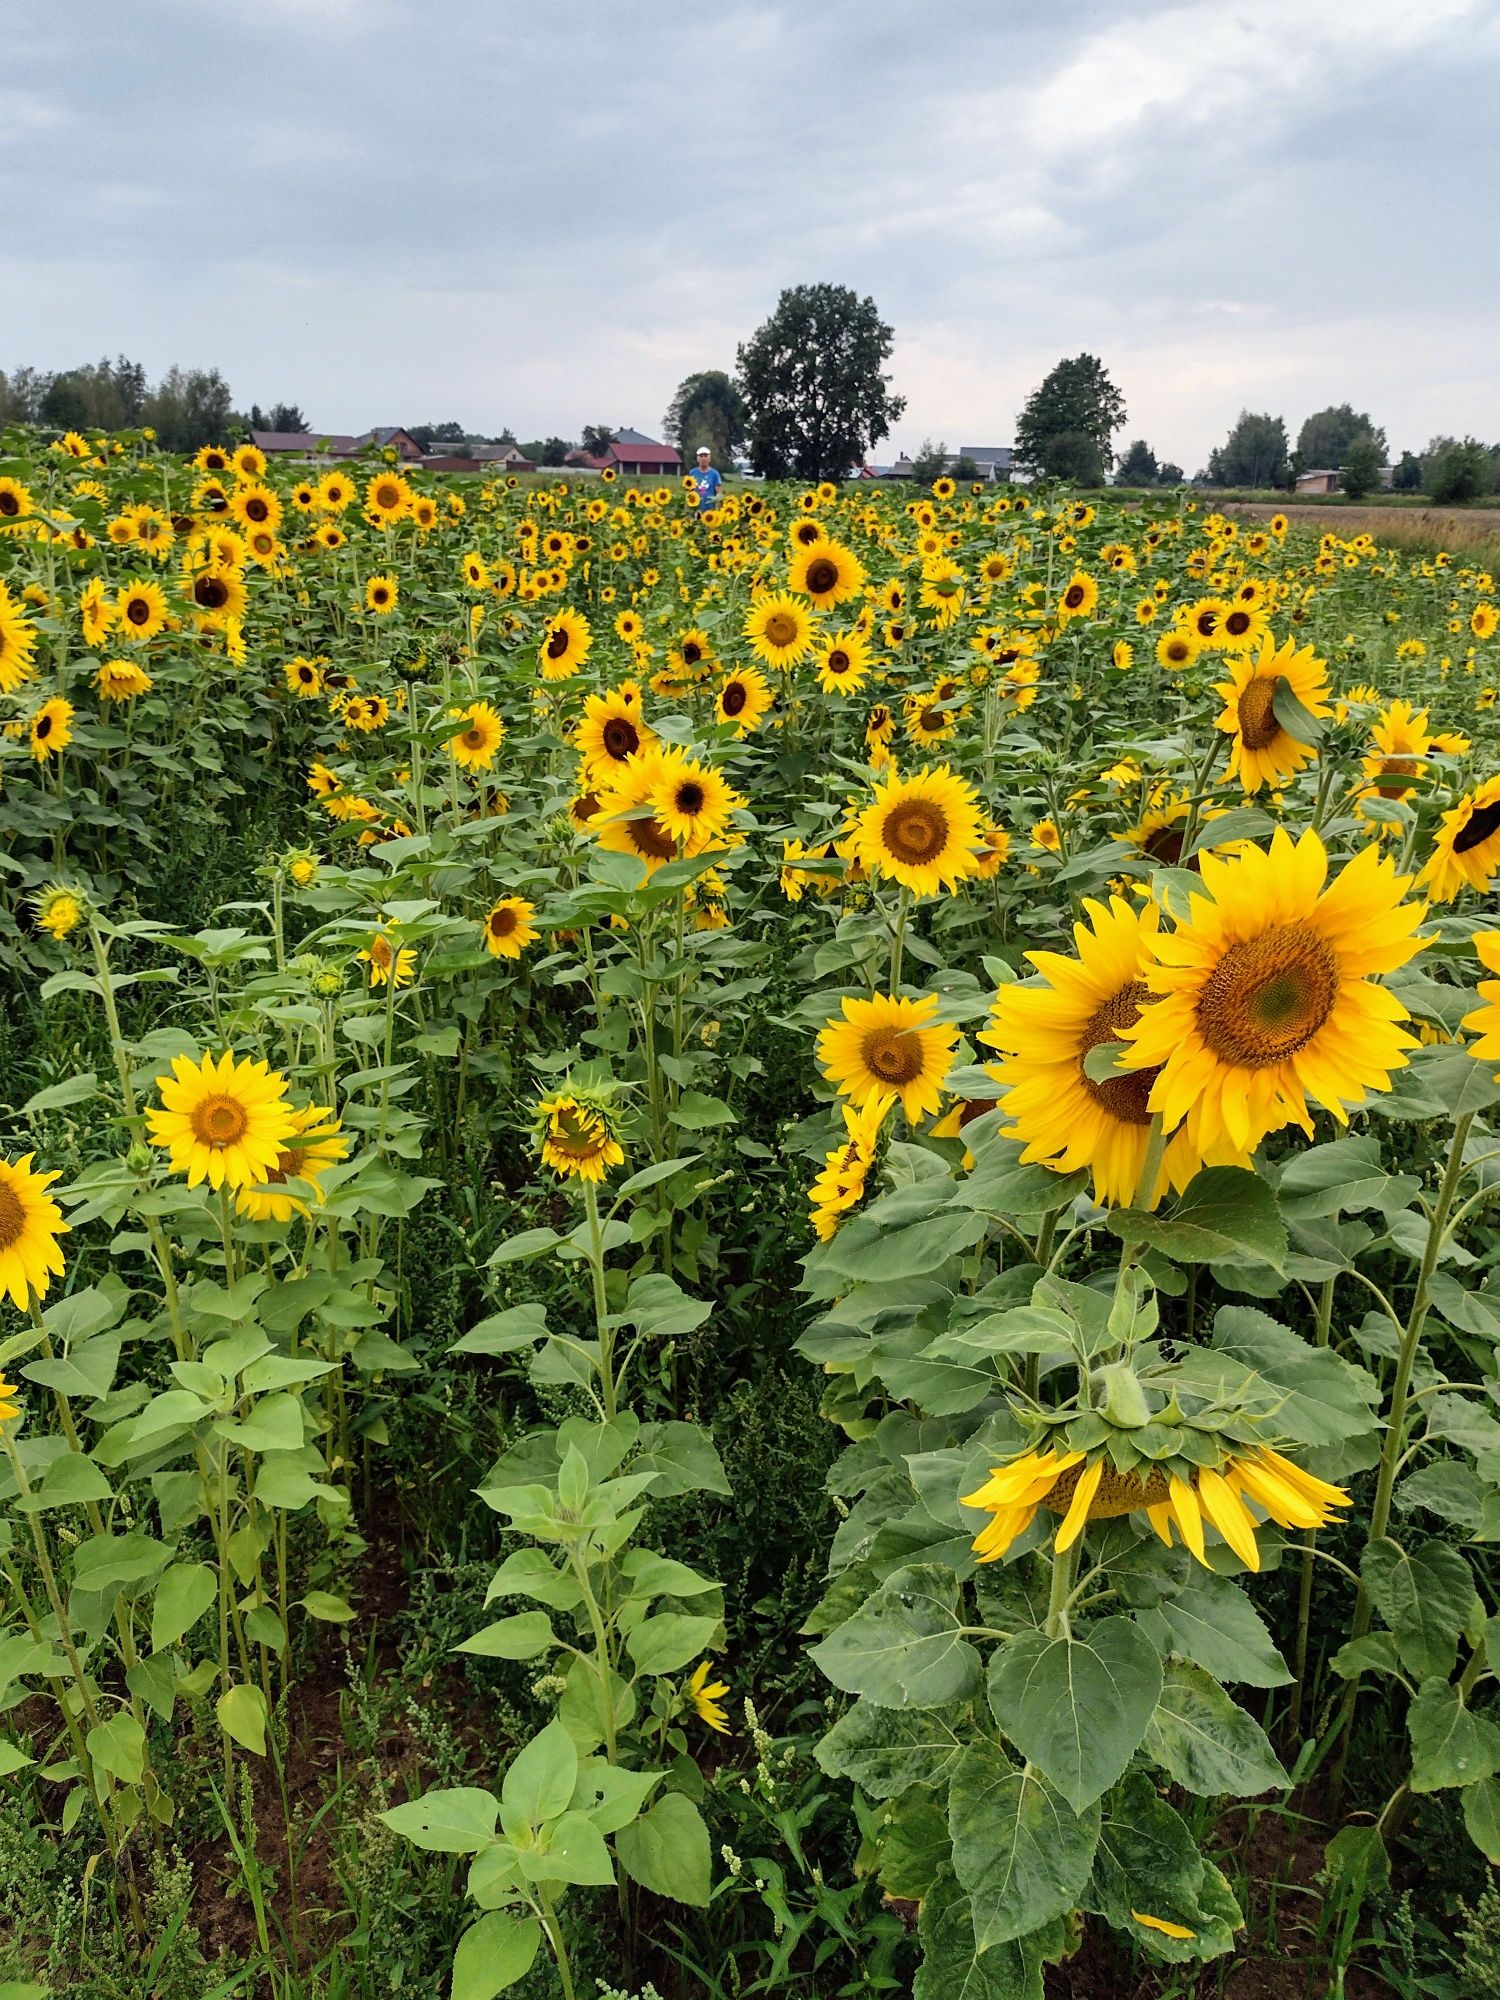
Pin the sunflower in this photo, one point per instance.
(806, 532)
(475, 745)
(256, 506)
(247, 461)
(215, 594)
(381, 593)
(387, 499)
(30, 1224)
(841, 1183)
(95, 612)
(884, 1049)
(51, 729)
(17, 644)
(1079, 597)
(1160, 831)
(59, 910)
(1484, 621)
(625, 822)
(1466, 850)
(692, 801)
(1266, 995)
(508, 928)
(335, 493)
(780, 629)
(742, 699)
(842, 663)
(1082, 1486)
(121, 680)
(1264, 750)
(316, 1144)
(566, 641)
(578, 1135)
(704, 1696)
(303, 678)
(396, 964)
(827, 573)
(1177, 649)
(928, 721)
(1401, 741)
(140, 609)
(222, 1120)
(1047, 1029)
(610, 732)
(922, 831)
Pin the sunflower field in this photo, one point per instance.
(745, 1254)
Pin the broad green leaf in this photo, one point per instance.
(242, 1715)
(682, 1457)
(273, 1424)
(1077, 1708)
(460, 1820)
(107, 1561)
(903, 1647)
(1212, 1623)
(57, 1096)
(666, 1851)
(1205, 1740)
(571, 1849)
(71, 1481)
(12, 1758)
(1225, 1213)
(1318, 1397)
(1450, 1745)
(185, 1592)
(952, 1969)
(885, 1750)
(541, 1776)
(1424, 1596)
(505, 1332)
(494, 1954)
(666, 1643)
(328, 1609)
(119, 1747)
(1019, 1850)
(1482, 1817)
(611, 1795)
(521, 1637)
(1149, 1864)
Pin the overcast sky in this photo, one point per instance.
(397, 211)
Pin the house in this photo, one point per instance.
(480, 460)
(993, 460)
(1324, 480)
(338, 444)
(387, 437)
(902, 469)
(633, 451)
(506, 457)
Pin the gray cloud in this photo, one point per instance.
(403, 209)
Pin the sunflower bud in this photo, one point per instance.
(1125, 1404)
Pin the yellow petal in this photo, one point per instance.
(1078, 1512)
(1227, 1512)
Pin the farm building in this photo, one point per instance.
(1324, 480)
(993, 460)
(325, 444)
(632, 451)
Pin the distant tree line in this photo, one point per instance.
(1341, 439)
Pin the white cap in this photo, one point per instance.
(704, 452)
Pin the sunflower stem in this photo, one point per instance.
(1391, 1448)
(898, 940)
(1309, 1550)
(1064, 1562)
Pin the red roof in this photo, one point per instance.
(643, 454)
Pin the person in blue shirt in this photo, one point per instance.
(708, 480)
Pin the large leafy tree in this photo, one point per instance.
(190, 407)
(1253, 454)
(1457, 469)
(707, 409)
(1066, 427)
(1362, 465)
(1138, 467)
(814, 383)
(281, 417)
(596, 439)
(1326, 436)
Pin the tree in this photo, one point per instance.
(451, 432)
(928, 461)
(965, 469)
(1253, 454)
(707, 409)
(1457, 469)
(1138, 467)
(189, 407)
(814, 385)
(1407, 477)
(1326, 436)
(98, 396)
(1169, 474)
(1362, 463)
(548, 451)
(597, 439)
(1065, 429)
(286, 417)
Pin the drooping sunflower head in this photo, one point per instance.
(578, 1129)
(60, 909)
(1466, 848)
(566, 644)
(923, 831)
(508, 928)
(317, 1143)
(743, 699)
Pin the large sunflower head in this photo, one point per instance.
(625, 820)
(17, 644)
(743, 699)
(923, 831)
(780, 629)
(475, 745)
(1267, 995)
(51, 729)
(508, 928)
(30, 1224)
(317, 1143)
(1466, 849)
(1264, 750)
(884, 1049)
(140, 609)
(222, 1120)
(611, 732)
(843, 662)
(579, 1133)
(1064, 1113)
(565, 646)
(827, 572)
(692, 801)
